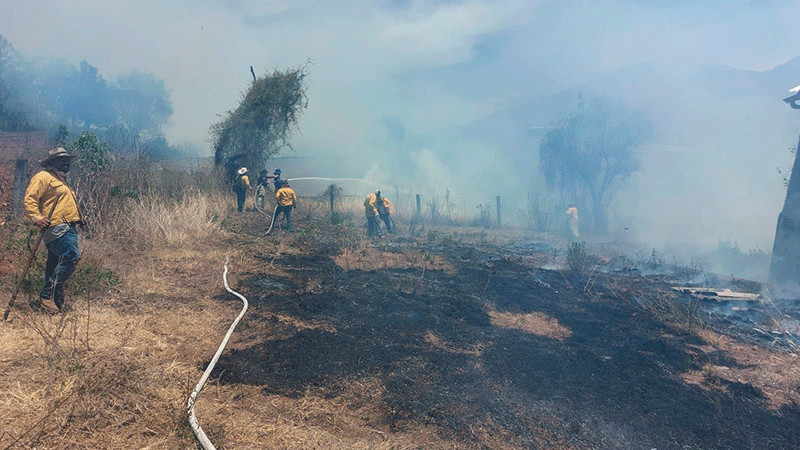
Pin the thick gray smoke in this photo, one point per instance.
(453, 97)
(131, 111)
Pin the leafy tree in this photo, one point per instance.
(593, 151)
(15, 108)
(141, 102)
(263, 122)
(60, 136)
(40, 93)
(90, 167)
(87, 98)
(92, 156)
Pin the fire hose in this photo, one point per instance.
(274, 212)
(198, 431)
(260, 191)
(272, 222)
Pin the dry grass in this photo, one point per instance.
(659, 302)
(365, 257)
(108, 373)
(151, 221)
(116, 370)
(117, 387)
(536, 323)
(476, 349)
(775, 374)
(121, 368)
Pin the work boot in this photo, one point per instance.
(58, 296)
(49, 306)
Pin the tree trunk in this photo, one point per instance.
(785, 265)
(598, 213)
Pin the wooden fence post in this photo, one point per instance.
(20, 182)
(331, 189)
(499, 222)
(419, 206)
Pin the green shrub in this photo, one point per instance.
(90, 277)
(578, 257)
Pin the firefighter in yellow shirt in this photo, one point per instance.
(572, 222)
(286, 199)
(59, 234)
(377, 207)
(240, 187)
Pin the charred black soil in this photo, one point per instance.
(492, 346)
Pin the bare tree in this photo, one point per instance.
(592, 151)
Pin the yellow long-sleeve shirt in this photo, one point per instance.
(387, 205)
(40, 195)
(246, 183)
(371, 205)
(286, 196)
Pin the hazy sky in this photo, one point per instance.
(431, 63)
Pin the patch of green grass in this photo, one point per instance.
(88, 277)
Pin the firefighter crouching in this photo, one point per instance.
(59, 234)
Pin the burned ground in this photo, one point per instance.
(452, 338)
(615, 379)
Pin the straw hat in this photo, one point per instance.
(52, 155)
(242, 171)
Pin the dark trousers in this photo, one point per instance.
(287, 213)
(63, 255)
(240, 196)
(373, 227)
(387, 219)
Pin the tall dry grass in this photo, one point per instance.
(153, 221)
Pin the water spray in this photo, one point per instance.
(358, 180)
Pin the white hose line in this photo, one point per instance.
(255, 201)
(201, 435)
(274, 214)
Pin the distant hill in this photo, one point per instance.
(729, 82)
(663, 92)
